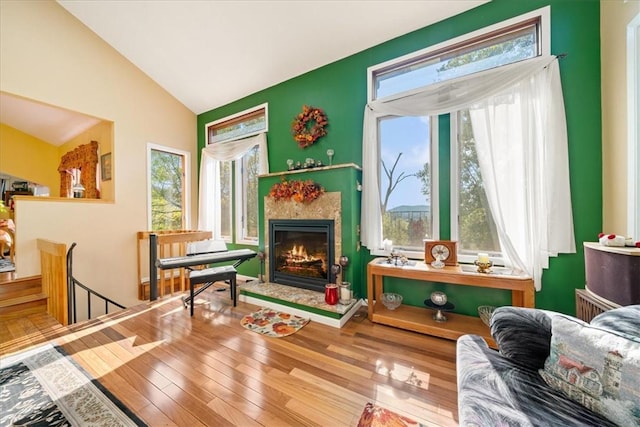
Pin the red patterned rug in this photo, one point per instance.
(273, 323)
(377, 416)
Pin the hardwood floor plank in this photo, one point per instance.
(207, 370)
(231, 414)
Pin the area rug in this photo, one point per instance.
(6, 266)
(45, 387)
(273, 323)
(377, 416)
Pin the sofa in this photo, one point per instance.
(552, 370)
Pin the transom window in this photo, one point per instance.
(240, 125)
(489, 50)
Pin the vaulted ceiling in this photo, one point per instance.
(208, 53)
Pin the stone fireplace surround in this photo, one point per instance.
(327, 206)
(341, 204)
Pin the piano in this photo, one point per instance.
(237, 255)
(206, 252)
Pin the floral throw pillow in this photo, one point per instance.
(597, 368)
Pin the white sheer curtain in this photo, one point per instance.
(521, 141)
(209, 215)
(546, 127)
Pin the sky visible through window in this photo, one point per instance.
(409, 136)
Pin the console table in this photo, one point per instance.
(419, 319)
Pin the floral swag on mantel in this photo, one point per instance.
(297, 190)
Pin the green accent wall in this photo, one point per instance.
(340, 90)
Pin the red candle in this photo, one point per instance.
(331, 294)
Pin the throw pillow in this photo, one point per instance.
(623, 319)
(598, 368)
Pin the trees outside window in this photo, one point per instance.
(167, 182)
(247, 171)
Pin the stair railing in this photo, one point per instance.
(73, 283)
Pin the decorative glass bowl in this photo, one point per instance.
(485, 312)
(391, 300)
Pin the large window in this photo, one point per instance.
(406, 190)
(167, 169)
(238, 173)
(408, 159)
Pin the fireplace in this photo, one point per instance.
(301, 252)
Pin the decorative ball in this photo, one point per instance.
(438, 298)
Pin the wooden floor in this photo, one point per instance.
(171, 369)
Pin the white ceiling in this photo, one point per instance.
(54, 125)
(207, 53)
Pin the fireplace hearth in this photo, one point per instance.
(302, 252)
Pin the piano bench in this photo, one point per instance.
(209, 276)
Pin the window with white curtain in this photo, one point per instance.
(510, 172)
(233, 159)
(408, 216)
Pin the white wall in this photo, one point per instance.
(49, 56)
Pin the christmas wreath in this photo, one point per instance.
(299, 191)
(309, 126)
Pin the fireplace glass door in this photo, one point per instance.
(301, 253)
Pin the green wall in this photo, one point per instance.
(340, 90)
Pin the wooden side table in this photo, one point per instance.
(418, 319)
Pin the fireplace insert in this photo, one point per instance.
(301, 252)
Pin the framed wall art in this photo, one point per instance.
(105, 167)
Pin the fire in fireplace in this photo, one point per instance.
(301, 253)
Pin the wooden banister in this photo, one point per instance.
(53, 269)
(171, 243)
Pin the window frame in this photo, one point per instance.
(542, 17)
(435, 194)
(186, 182)
(238, 201)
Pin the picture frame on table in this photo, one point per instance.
(105, 167)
